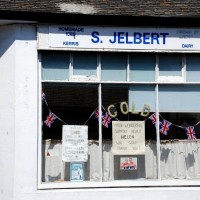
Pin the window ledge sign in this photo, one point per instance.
(122, 38)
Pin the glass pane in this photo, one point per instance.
(179, 98)
(55, 66)
(140, 95)
(113, 66)
(180, 134)
(142, 67)
(72, 105)
(179, 131)
(170, 65)
(128, 138)
(192, 67)
(85, 63)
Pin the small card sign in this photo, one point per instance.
(128, 163)
(76, 171)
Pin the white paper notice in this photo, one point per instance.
(74, 143)
(128, 137)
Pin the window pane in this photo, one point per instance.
(113, 66)
(140, 95)
(179, 129)
(179, 98)
(55, 66)
(170, 65)
(111, 95)
(179, 145)
(142, 67)
(192, 67)
(85, 63)
(73, 105)
(122, 165)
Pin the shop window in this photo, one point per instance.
(112, 129)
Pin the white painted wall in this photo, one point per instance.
(18, 108)
(19, 135)
(7, 111)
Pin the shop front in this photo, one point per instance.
(119, 104)
(99, 111)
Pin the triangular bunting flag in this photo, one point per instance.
(164, 127)
(106, 119)
(50, 119)
(190, 133)
(153, 118)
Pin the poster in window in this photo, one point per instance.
(76, 171)
(74, 143)
(128, 163)
(128, 137)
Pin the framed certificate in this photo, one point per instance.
(76, 171)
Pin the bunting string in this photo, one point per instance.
(44, 99)
(164, 125)
(106, 111)
(89, 117)
(51, 117)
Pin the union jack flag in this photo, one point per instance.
(96, 112)
(190, 133)
(43, 95)
(50, 119)
(165, 127)
(153, 118)
(106, 119)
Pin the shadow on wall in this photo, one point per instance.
(13, 32)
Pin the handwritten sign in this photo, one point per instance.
(74, 143)
(128, 137)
